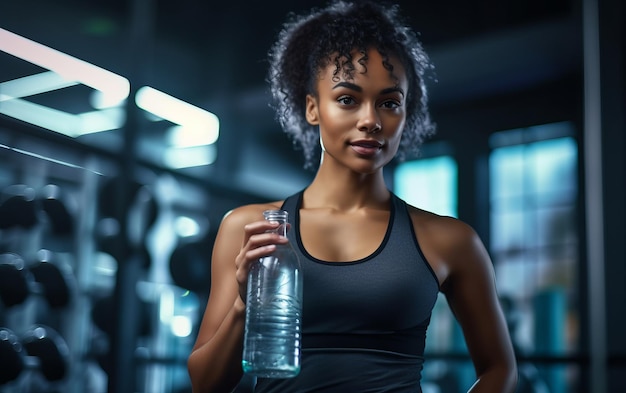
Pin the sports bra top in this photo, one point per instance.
(381, 302)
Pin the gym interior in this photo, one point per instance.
(128, 128)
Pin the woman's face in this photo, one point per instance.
(360, 118)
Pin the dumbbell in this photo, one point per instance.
(15, 281)
(18, 207)
(56, 206)
(104, 318)
(23, 207)
(57, 214)
(40, 349)
(142, 213)
(45, 278)
(142, 207)
(49, 347)
(11, 356)
(190, 264)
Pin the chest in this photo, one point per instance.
(342, 237)
(390, 289)
(362, 274)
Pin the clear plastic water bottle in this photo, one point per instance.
(273, 311)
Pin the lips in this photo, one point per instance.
(366, 147)
(367, 143)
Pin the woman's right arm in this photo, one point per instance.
(215, 361)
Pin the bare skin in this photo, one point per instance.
(344, 217)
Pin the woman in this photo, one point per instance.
(349, 78)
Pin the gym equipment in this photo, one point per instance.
(40, 349)
(104, 316)
(58, 219)
(190, 264)
(141, 215)
(43, 278)
(18, 207)
(56, 208)
(50, 349)
(142, 206)
(22, 207)
(15, 281)
(54, 282)
(11, 356)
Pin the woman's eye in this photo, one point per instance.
(346, 100)
(390, 104)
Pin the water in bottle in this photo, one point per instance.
(273, 311)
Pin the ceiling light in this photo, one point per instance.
(101, 120)
(69, 68)
(32, 85)
(101, 100)
(41, 116)
(190, 157)
(63, 122)
(184, 136)
(194, 120)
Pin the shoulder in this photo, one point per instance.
(231, 232)
(442, 230)
(450, 245)
(242, 215)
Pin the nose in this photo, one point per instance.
(369, 121)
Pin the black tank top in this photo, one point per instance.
(364, 322)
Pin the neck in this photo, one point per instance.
(345, 189)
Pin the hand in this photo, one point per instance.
(259, 241)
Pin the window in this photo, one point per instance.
(429, 184)
(534, 245)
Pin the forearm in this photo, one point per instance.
(215, 366)
(496, 380)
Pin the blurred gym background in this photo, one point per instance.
(128, 128)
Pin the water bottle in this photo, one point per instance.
(274, 310)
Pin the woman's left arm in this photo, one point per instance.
(471, 292)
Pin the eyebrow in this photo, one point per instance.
(358, 88)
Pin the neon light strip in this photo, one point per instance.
(68, 67)
(33, 84)
(195, 126)
(42, 116)
(173, 109)
(63, 122)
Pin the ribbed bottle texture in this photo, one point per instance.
(273, 311)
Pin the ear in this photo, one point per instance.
(312, 112)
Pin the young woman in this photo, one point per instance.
(349, 78)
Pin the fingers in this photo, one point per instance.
(258, 242)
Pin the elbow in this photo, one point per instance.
(511, 374)
(509, 380)
(209, 379)
(509, 377)
(199, 379)
(502, 379)
(194, 377)
(513, 377)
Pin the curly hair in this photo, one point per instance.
(309, 43)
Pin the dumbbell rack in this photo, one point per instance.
(81, 253)
(41, 306)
